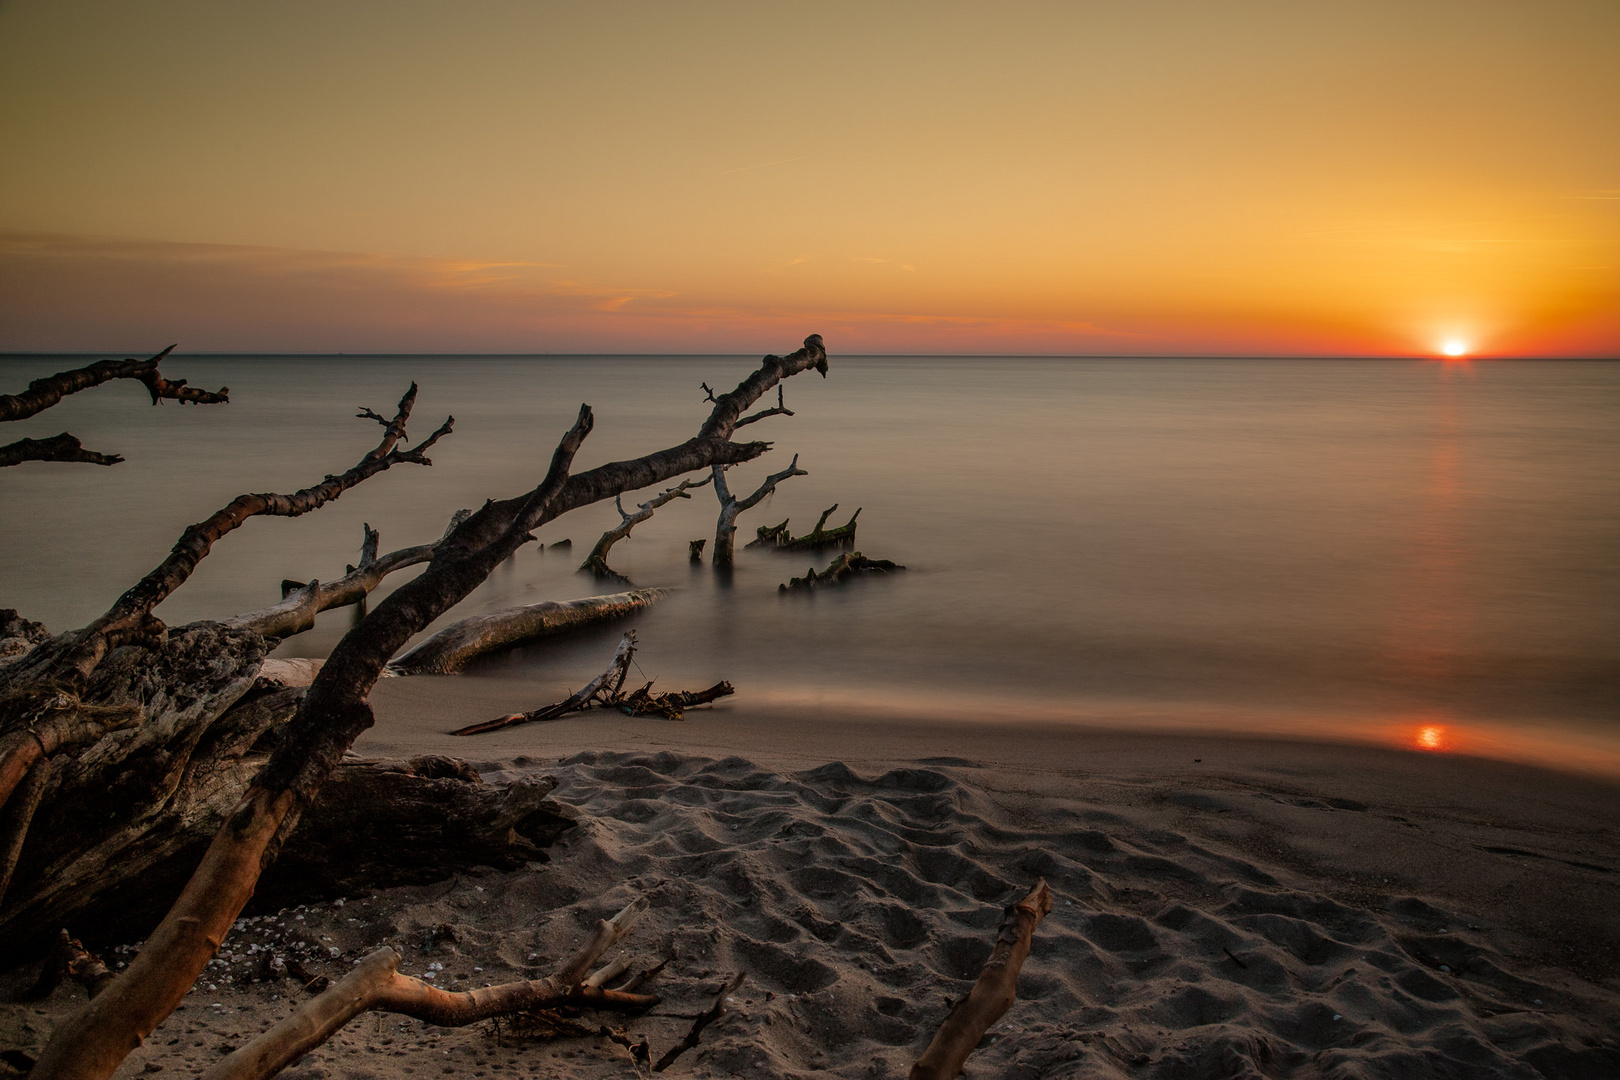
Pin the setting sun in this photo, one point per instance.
(1454, 347)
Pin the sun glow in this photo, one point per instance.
(1454, 347)
(1432, 737)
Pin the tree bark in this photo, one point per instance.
(460, 643)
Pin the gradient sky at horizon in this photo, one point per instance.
(1260, 176)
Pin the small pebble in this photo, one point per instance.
(1336, 1016)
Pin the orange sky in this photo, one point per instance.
(1107, 177)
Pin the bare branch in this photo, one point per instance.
(725, 531)
(63, 447)
(43, 393)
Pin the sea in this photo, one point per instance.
(1411, 553)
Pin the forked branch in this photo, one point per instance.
(725, 530)
(596, 562)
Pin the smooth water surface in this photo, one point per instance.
(1397, 551)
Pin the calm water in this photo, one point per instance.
(1398, 551)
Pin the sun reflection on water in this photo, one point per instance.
(1432, 737)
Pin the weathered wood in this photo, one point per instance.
(671, 706)
(842, 570)
(376, 986)
(596, 561)
(460, 643)
(43, 393)
(992, 993)
(725, 530)
(63, 447)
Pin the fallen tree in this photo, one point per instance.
(333, 711)
(44, 393)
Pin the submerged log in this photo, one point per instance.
(460, 643)
(840, 571)
(778, 538)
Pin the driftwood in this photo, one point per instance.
(725, 530)
(991, 995)
(460, 643)
(606, 691)
(840, 571)
(596, 562)
(376, 986)
(43, 393)
(778, 538)
(694, 549)
(334, 711)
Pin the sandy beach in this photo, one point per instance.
(1222, 907)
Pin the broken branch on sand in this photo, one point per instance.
(991, 995)
(606, 691)
(376, 986)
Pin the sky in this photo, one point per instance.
(1130, 177)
